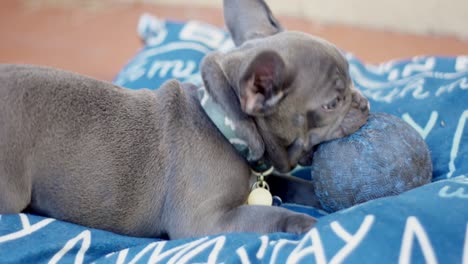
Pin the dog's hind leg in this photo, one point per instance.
(266, 219)
(15, 192)
(12, 201)
(245, 218)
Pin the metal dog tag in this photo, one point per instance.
(260, 194)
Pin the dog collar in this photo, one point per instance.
(228, 128)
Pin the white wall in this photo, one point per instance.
(445, 17)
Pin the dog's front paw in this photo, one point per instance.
(299, 223)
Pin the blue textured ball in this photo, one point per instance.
(385, 157)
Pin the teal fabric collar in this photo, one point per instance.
(227, 127)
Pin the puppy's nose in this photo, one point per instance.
(359, 101)
(368, 106)
(364, 105)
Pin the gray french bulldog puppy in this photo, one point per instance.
(152, 163)
(293, 86)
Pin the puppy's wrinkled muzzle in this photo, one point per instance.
(354, 119)
(356, 116)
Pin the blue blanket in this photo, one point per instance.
(425, 225)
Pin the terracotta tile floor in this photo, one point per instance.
(98, 42)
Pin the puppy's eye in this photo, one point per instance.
(332, 104)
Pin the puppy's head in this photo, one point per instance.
(295, 87)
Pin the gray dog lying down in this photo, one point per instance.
(152, 163)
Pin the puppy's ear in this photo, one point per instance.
(261, 85)
(249, 19)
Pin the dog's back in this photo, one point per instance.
(66, 131)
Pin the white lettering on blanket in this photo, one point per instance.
(390, 91)
(418, 65)
(389, 94)
(409, 80)
(121, 257)
(462, 83)
(263, 247)
(378, 69)
(461, 64)
(301, 250)
(414, 230)
(28, 229)
(427, 129)
(173, 47)
(311, 243)
(459, 193)
(217, 244)
(157, 254)
(414, 237)
(179, 254)
(352, 241)
(140, 254)
(456, 142)
(207, 34)
(84, 237)
(457, 136)
(461, 179)
(410, 68)
(243, 256)
(173, 68)
(139, 65)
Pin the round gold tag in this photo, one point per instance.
(260, 196)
